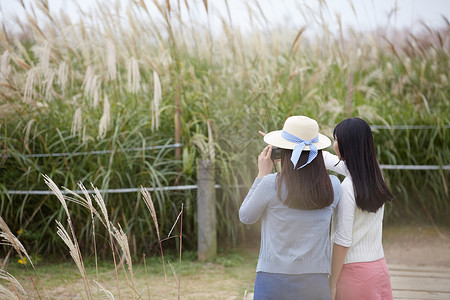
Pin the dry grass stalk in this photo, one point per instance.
(14, 282)
(29, 89)
(5, 66)
(100, 202)
(133, 76)
(156, 101)
(10, 239)
(105, 120)
(62, 200)
(73, 248)
(111, 59)
(149, 202)
(48, 81)
(43, 54)
(122, 240)
(108, 294)
(7, 294)
(27, 134)
(57, 192)
(77, 123)
(91, 85)
(63, 73)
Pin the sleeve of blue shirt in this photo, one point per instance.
(255, 202)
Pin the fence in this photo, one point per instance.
(191, 187)
(207, 243)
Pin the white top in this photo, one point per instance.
(293, 241)
(352, 227)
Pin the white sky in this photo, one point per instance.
(369, 13)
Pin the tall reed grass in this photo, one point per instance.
(143, 75)
(118, 244)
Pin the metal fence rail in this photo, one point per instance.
(415, 167)
(97, 152)
(407, 126)
(109, 191)
(193, 187)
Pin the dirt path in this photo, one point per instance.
(417, 246)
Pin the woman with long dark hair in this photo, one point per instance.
(295, 207)
(359, 269)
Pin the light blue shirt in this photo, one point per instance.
(293, 241)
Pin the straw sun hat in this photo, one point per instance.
(301, 127)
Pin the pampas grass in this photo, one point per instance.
(168, 79)
(156, 101)
(133, 76)
(16, 286)
(117, 237)
(149, 202)
(7, 294)
(8, 238)
(105, 120)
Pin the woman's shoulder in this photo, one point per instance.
(269, 179)
(347, 182)
(347, 190)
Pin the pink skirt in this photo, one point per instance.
(364, 280)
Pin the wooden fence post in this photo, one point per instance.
(206, 210)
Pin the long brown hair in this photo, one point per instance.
(307, 188)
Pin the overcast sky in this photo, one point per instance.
(368, 14)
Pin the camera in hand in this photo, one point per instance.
(276, 153)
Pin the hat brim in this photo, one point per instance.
(274, 138)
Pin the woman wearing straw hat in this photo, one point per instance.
(359, 270)
(295, 207)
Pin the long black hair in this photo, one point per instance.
(307, 188)
(356, 147)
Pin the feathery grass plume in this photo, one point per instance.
(48, 81)
(149, 202)
(134, 76)
(200, 141)
(29, 92)
(73, 248)
(13, 281)
(7, 294)
(99, 199)
(57, 192)
(156, 101)
(63, 74)
(122, 240)
(27, 134)
(62, 200)
(108, 294)
(92, 211)
(43, 54)
(111, 59)
(5, 66)
(77, 123)
(10, 239)
(91, 85)
(105, 121)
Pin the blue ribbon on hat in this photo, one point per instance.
(300, 146)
